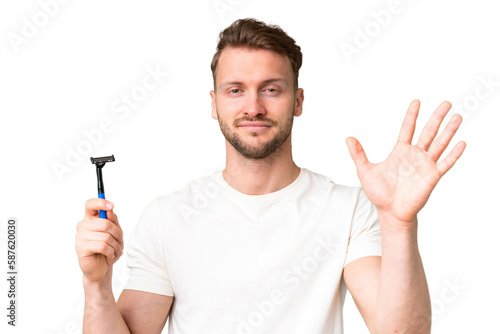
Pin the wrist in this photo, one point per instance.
(398, 237)
(392, 224)
(100, 286)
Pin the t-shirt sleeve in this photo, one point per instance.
(365, 238)
(145, 255)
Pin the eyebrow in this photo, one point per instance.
(265, 82)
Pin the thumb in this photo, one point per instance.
(357, 154)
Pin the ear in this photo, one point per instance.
(299, 101)
(214, 104)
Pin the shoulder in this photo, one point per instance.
(202, 185)
(191, 196)
(321, 181)
(348, 199)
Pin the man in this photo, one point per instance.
(265, 246)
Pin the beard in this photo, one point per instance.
(258, 151)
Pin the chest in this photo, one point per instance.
(243, 252)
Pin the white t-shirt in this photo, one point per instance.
(248, 264)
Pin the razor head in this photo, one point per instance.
(101, 161)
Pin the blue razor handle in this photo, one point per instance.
(102, 213)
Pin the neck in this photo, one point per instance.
(261, 176)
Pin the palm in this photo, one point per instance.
(401, 185)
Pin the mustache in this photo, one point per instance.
(264, 120)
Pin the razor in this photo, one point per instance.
(99, 164)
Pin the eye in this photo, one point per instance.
(234, 91)
(272, 91)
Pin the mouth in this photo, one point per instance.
(254, 126)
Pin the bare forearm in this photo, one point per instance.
(403, 302)
(101, 313)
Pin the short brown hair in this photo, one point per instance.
(254, 34)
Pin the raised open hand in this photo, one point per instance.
(400, 186)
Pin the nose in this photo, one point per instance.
(254, 105)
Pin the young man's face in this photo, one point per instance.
(255, 100)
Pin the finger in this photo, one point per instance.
(357, 154)
(87, 248)
(112, 217)
(441, 143)
(91, 237)
(106, 226)
(92, 206)
(431, 128)
(408, 127)
(452, 157)
(99, 247)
